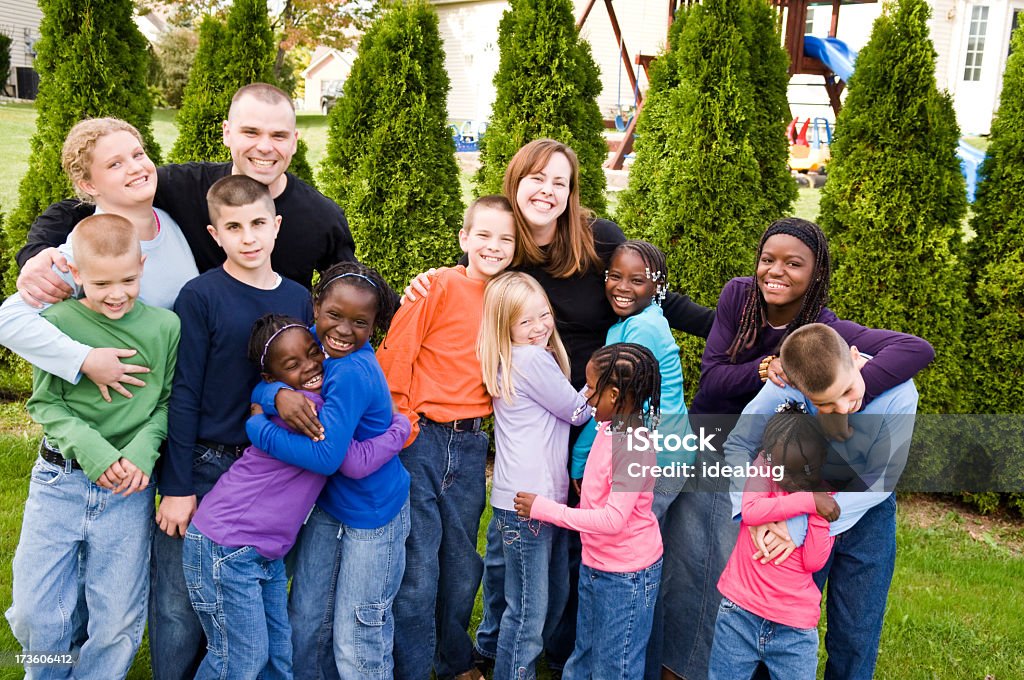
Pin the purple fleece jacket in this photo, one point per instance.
(726, 387)
(262, 502)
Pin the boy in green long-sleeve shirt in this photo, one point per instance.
(90, 496)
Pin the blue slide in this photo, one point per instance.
(838, 57)
(832, 52)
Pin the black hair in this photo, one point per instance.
(754, 317)
(365, 278)
(654, 260)
(633, 369)
(263, 329)
(794, 436)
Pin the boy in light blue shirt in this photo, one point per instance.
(869, 452)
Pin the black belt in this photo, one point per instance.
(460, 425)
(226, 449)
(54, 457)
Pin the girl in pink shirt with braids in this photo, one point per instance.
(621, 570)
(769, 612)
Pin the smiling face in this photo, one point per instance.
(120, 174)
(345, 315)
(535, 324)
(110, 283)
(784, 272)
(542, 196)
(247, 234)
(262, 139)
(489, 244)
(295, 358)
(627, 286)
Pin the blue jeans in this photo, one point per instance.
(523, 608)
(176, 641)
(241, 599)
(344, 585)
(68, 517)
(743, 640)
(858, 574)
(614, 623)
(443, 570)
(699, 537)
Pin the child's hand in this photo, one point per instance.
(772, 541)
(524, 503)
(103, 366)
(135, 479)
(578, 486)
(300, 413)
(255, 410)
(826, 505)
(174, 514)
(777, 374)
(418, 287)
(835, 426)
(113, 476)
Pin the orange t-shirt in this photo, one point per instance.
(429, 354)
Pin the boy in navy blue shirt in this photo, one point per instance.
(210, 395)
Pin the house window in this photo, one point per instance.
(809, 21)
(976, 43)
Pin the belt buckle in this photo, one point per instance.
(457, 424)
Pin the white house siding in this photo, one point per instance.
(327, 65)
(470, 34)
(20, 20)
(644, 25)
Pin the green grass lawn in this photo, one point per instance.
(954, 608)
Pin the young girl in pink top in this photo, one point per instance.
(769, 612)
(621, 569)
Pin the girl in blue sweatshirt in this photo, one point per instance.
(350, 555)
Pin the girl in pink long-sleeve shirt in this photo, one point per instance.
(769, 611)
(621, 569)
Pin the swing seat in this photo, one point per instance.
(620, 124)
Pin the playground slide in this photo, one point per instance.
(832, 52)
(837, 55)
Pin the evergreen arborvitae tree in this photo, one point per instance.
(699, 195)
(997, 254)
(770, 116)
(89, 65)
(390, 158)
(547, 84)
(696, 189)
(895, 200)
(204, 105)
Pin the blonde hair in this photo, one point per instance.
(104, 235)
(504, 300)
(572, 251)
(76, 155)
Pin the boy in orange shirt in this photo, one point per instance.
(429, 358)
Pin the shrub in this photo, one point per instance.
(5, 59)
(547, 84)
(88, 64)
(696, 188)
(895, 200)
(996, 255)
(175, 53)
(390, 158)
(231, 55)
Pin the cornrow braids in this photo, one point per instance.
(794, 438)
(367, 278)
(754, 316)
(263, 331)
(655, 262)
(633, 369)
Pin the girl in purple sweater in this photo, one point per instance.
(789, 289)
(234, 549)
